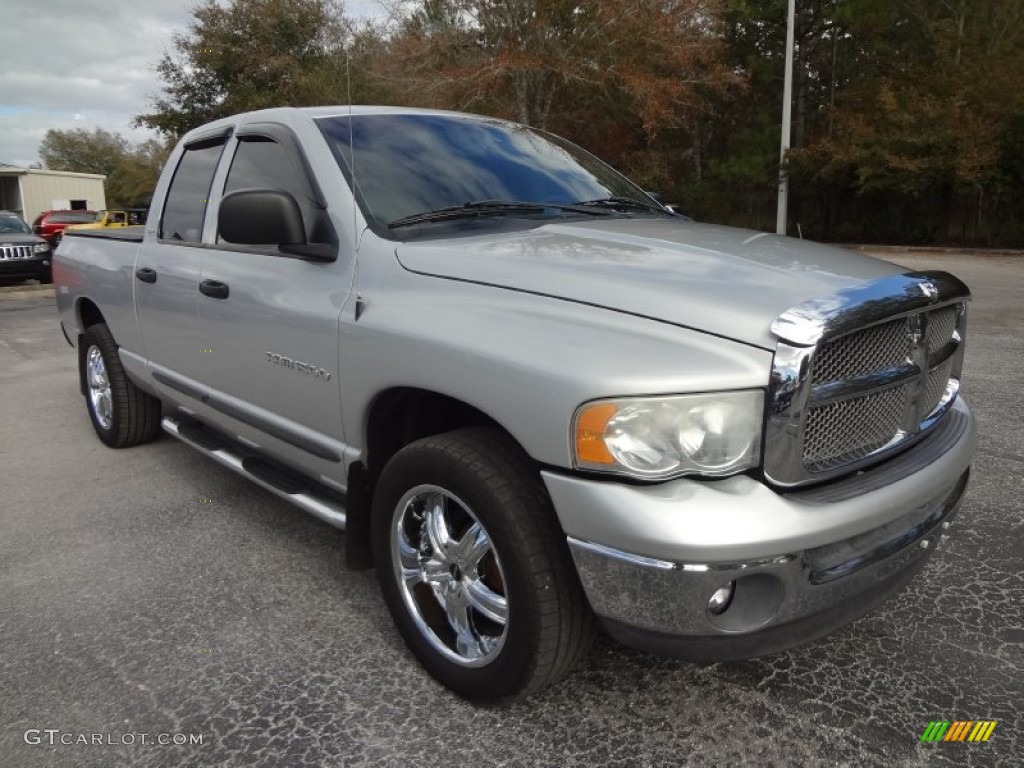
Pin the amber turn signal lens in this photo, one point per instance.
(590, 426)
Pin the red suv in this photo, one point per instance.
(49, 225)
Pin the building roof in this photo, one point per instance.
(6, 169)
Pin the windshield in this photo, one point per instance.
(409, 164)
(10, 222)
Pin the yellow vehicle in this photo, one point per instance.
(103, 220)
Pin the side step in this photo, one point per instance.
(290, 487)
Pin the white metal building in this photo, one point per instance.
(30, 191)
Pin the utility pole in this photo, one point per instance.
(787, 120)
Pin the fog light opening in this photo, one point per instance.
(746, 603)
(721, 598)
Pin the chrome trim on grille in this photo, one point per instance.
(842, 390)
(955, 427)
(862, 305)
(876, 365)
(16, 252)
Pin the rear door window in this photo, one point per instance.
(189, 193)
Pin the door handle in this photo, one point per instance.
(146, 275)
(215, 289)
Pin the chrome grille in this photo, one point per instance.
(851, 385)
(840, 432)
(942, 323)
(873, 349)
(15, 251)
(938, 380)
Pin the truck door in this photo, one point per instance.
(166, 275)
(270, 320)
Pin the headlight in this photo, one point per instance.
(40, 248)
(659, 437)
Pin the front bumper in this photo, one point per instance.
(38, 266)
(802, 563)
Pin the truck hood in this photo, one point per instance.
(720, 280)
(19, 238)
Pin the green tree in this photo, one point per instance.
(900, 119)
(919, 136)
(620, 75)
(139, 172)
(251, 54)
(907, 120)
(132, 170)
(83, 151)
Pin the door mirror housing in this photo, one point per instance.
(269, 217)
(261, 217)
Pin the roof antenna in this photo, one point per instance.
(351, 139)
(360, 304)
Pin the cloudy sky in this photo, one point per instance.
(84, 64)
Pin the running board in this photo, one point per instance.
(285, 485)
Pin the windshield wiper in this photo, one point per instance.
(486, 208)
(619, 203)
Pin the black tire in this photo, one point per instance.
(46, 276)
(549, 624)
(134, 416)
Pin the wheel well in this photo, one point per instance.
(89, 314)
(397, 417)
(402, 415)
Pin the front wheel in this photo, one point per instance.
(474, 567)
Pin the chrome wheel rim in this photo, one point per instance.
(449, 575)
(99, 387)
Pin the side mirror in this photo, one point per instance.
(269, 217)
(261, 217)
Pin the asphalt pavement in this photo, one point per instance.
(149, 591)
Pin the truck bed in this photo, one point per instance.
(130, 234)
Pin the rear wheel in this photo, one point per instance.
(474, 567)
(121, 413)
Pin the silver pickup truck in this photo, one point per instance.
(530, 393)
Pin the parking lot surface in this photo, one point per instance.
(149, 591)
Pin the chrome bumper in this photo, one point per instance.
(805, 569)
